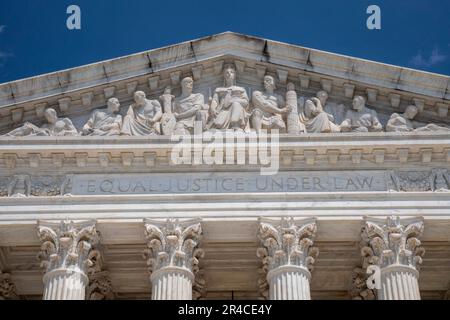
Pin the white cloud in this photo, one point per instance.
(435, 58)
(2, 28)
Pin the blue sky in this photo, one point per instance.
(34, 38)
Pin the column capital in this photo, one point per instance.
(67, 246)
(287, 246)
(392, 242)
(288, 242)
(173, 245)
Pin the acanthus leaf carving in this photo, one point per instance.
(285, 243)
(175, 243)
(67, 245)
(392, 241)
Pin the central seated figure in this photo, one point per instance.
(229, 104)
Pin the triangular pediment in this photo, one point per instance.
(75, 93)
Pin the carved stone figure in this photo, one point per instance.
(188, 108)
(142, 117)
(104, 122)
(229, 104)
(361, 119)
(267, 112)
(404, 122)
(336, 112)
(314, 120)
(54, 127)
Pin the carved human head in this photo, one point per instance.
(322, 96)
(411, 112)
(50, 115)
(187, 84)
(269, 83)
(229, 73)
(309, 107)
(139, 97)
(114, 105)
(359, 102)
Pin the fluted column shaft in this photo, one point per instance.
(62, 284)
(399, 283)
(289, 283)
(172, 284)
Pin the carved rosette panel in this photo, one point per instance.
(392, 242)
(24, 185)
(287, 243)
(175, 243)
(429, 180)
(67, 245)
(7, 287)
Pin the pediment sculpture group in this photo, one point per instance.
(229, 108)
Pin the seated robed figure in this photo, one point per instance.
(143, 117)
(188, 108)
(104, 122)
(268, 108)
(361, 118)
(313, 119)
(229, 104)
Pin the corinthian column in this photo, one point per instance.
(287, 255)
(172, 258)
(65, 254)
(393, 246)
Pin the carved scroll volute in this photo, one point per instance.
(66, 245)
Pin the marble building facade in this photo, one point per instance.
(92, 205)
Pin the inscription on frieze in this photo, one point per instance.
(25, 185)
(159, 183)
